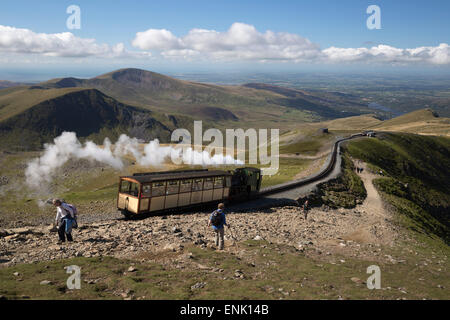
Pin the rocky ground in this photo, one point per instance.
(323, 233)
(359, 232)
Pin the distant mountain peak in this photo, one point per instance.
(131, 77)
(132, 73)
(68, 82)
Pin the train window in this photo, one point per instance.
(197, 185)
(185, 186)
(158, 189)
(146, 190)
(209, 184)
(134, 189)
(130, 188)
(173, 186)
(218, 182)
(228, 182)
(125, 186)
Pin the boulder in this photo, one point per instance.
(173, 247)
(4, 233)
(132, 269)
(20, 231)
(356, 280)
(198, 285)
(176, 230)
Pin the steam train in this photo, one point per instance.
(157, 192)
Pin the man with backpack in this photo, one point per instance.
(218, 221)
(66, 216)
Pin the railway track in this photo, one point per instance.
(331, 162)
(289, 192)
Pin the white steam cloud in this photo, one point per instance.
(67, 146)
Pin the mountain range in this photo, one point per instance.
(149, 105)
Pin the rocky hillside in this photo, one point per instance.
(89, 113)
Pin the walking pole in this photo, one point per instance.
(206, 232)
(232, 236)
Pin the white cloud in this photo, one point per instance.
(244, 42)
(240, 42)
(66, 44)
(159, 39)
(383, 53)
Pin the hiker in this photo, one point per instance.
(218, 221)
(306, 209)
(64, 221)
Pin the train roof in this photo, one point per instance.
(175, 175)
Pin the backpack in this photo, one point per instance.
(216, 218)
(75, 215)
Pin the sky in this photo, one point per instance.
(217, 35)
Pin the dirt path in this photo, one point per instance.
(377, 217)
(373, 202)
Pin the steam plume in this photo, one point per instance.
(67, 146)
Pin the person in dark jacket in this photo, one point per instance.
(306, 209)
(218, 221)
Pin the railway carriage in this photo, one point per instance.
(155, 192)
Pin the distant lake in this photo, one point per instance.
(377, 106)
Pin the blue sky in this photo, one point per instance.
(324, 23)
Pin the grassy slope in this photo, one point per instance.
(416, 178)
(423, 121)
(16, 100)
(270, 272)
(419, 115)
(352, 123)
(310, 145)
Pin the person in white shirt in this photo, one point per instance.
(64, 220)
